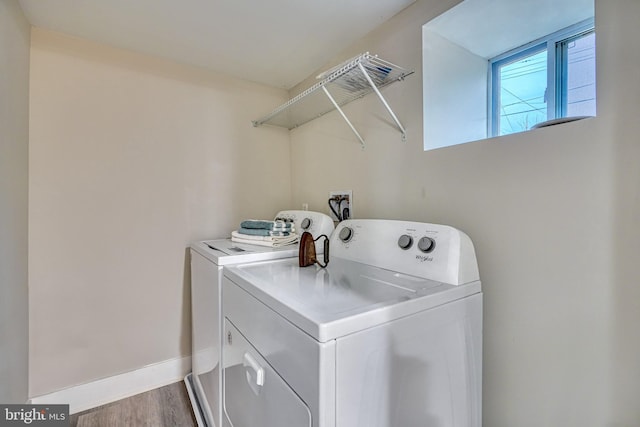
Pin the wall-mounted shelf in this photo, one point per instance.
(347, 82)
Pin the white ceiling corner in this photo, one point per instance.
(278, 43)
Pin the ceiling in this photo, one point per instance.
(275, 42)
(490, 27)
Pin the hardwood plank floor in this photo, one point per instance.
(167, 406)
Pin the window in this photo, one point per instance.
(541, 52)
(550, 78)
(519, 87)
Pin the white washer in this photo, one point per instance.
(388, 335)
(208, 259)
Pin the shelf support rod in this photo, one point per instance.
(384, 102)
(344, 116)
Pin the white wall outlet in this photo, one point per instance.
(340, 205)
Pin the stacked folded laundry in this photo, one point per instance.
(265, 233)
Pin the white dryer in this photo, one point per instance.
(388, 335)
(208, 259)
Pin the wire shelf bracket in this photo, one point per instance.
(348, 81)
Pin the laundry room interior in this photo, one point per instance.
(114, 159)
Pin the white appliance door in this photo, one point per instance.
(418, 371)
(253, 392)
(206, 329)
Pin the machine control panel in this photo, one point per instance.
(405, 241)
(346, 234)
(306, 223)
(315, 223)
(426, 244)
(431, 251)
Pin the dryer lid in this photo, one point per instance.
(225, 251)
(344, 298)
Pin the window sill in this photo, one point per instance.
(561, 120)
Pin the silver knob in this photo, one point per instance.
(426, 244)
(346, 234)
(405, 241)
(306, 223)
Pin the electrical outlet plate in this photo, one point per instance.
(342, 200)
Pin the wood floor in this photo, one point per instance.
(167, 406)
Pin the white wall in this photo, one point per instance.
(619, 65)
(14, 170)
(131, 158)
(553, 214)
(455, 93)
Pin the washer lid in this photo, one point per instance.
(344, 298)
(224, 251)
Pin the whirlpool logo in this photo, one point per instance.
(34, 415)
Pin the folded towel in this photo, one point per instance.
(262, 232)
(263, 238)
(270, 241)
(266, 225)
(288, 227)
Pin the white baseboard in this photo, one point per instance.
(107, 390)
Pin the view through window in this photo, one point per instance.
(525, 93)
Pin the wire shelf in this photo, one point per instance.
(339, 86)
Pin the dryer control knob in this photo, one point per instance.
(346, 234)
(426, 244)
(306, 223)
(405, 241)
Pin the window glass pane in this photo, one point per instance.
(581, 76)
(522, 100)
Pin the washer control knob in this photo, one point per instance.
(306, 223)
(346, 234)
(405, 241)
(426, 244)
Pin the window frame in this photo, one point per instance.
(555, 45)
(494, 88)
